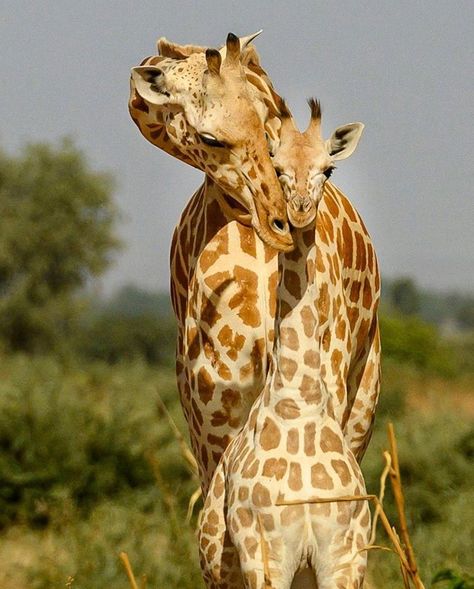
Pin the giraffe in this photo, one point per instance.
(225, 135)
(224, 280)
(348, 278)
(291, 448)
(220, 232)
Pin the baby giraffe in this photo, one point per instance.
(261, 509)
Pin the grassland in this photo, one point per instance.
(89, 467)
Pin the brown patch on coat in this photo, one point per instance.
(287, 409)
(330, 442)
(270, 435)
(320, 478)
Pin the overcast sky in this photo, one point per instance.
(404, 68)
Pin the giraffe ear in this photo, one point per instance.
(150, 83)
(344, 140)
(169, 49)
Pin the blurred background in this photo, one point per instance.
(89, 465)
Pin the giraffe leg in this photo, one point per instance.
(219, 559)
(255, 579)
(343, 563)
(212, 531)
(348, 575)
(363, 393)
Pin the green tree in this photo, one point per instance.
(405, 296)
(114, 338)
(465, 314)
(57, 230)
(411, 340)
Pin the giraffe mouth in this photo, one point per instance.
(300, 219)
(272, 229)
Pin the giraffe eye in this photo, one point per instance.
(328, 172)
(209, 139)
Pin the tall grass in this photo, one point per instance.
(90, 468)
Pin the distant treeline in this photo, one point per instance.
(452, 310)
(134, 322)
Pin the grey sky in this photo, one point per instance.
(403, 68)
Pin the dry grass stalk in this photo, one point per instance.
(155, 467)
(128, 569)
(131, 577)
(383, 480)
(396, 482)
(185, 451)
(266, 566)
(192, 502)
(187, 455)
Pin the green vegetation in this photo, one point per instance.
(453, 310)
(88, 468)
(449, 579)
(57, 230)
(433, 417)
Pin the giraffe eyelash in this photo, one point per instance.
(212, 141)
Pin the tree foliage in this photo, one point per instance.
(116, 338)
(409, 339)
(57, 229)
(404, 296)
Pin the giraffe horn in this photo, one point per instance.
(214, 60)
(232, 49)
(314, 127)
(244, 42)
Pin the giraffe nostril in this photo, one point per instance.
(279, 226)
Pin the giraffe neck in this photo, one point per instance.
(296, 359)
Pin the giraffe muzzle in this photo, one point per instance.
(300, 204)
(301, 211)
(273, 229)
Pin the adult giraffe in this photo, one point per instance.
(224, 279)
(221, 132)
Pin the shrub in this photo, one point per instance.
(66, 436)
(113, 338)
(411, 340)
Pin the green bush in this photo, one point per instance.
(88, 467)
(411, 340)
(57, 230)
(68, 435)
(114, 338)
(449, 579)
(438, 480)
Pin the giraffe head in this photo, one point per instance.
(304, 161)
(219, 127)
